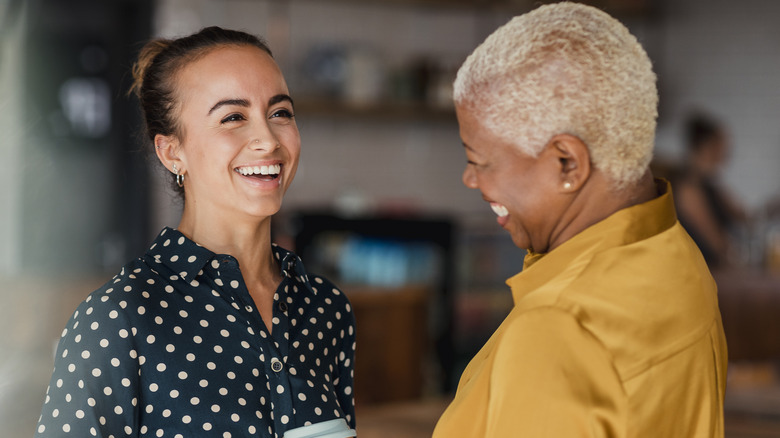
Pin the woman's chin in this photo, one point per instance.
(259, 211)
(520, 241)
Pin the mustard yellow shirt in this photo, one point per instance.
(615, 333)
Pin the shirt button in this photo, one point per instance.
(276, 365)
(283, 306)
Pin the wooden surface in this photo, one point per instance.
(400, 420)
(392, 341)
(752, 405)
(749, 303)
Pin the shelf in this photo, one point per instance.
(507, 5)
(621, 8)
(383, 111)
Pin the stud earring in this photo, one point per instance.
(567, 185)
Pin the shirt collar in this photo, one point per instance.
(179, 254)
(623, 227)
(186, 259)
(290, 265)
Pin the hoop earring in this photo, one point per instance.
(179, 177)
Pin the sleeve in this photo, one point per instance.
(553, 378)
(346, 373)
(94, 385)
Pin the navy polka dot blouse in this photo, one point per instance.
(173, 346)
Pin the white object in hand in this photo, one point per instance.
(337, 428)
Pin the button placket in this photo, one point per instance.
(275, 345)
(278, 369)
(229, 272)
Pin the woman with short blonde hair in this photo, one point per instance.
(615, 329)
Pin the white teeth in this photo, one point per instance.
(499, 209)
(273, 169)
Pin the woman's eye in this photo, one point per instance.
(284, 112)
(232, 118)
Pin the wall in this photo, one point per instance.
(723, 56)
(68, 187)
(716, 55)
(11, 140)
(719, 56)
(408, 162)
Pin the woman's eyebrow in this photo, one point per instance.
(238, 102)
(280, 98)
(245, 103)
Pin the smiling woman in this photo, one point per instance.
(234, 120)
(215, 329)
(615, 329)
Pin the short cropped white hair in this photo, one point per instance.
(566, 68)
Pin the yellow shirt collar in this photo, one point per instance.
(623, 227)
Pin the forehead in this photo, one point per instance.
(473, 131)
(230, 71)
(482, 141)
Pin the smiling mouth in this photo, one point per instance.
(499, 209)
(265, 173)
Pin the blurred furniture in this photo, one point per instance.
(400, 420)
(749, 302)
(392, 343)
(398, 272)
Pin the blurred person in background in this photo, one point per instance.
(705, 208)
(215, 331)
(615, 329)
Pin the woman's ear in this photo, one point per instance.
(167, 149)
(574, 161)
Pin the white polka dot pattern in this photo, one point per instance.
(173, 346)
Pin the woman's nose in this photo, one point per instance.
(264, 139)
(469, 179)
(268, 144)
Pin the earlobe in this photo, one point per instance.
(574, 161)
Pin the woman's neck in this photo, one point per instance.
(597, 201)
(248, 241)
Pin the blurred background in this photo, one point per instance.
(379, 179)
